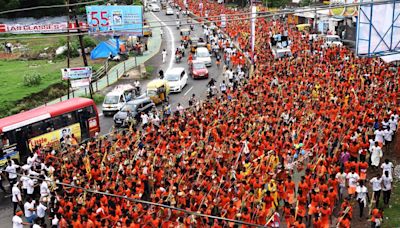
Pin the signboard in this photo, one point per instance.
(35, 28)
(55, 138)
(115, 19)
(76, 73)
(79, 83)
(9, 151)
(223, 21)
(343, 11)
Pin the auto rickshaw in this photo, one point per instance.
(185, 32)
(158, 90)
(193, 40)
(303, 27)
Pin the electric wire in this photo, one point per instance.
(270, 14)
(48, 7)
(137, 200)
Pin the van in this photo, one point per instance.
(282, 53)
(202, 54)
(117, 98)
(333, 40)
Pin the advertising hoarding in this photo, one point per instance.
(115, 19)
(76, 73)
(55, 138)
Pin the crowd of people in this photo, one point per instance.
(323, 116)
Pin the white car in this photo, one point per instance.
(177, 79)
(282, 53)
(333, 40)
(169, 11)
(154, 7)
(202, 54)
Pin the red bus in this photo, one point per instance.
(47, 126)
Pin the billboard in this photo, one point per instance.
(115, 19)
(55, 138)
(76, 73)
(377, 34)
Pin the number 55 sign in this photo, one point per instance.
(115, 19)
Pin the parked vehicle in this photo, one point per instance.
(130, 113)
(177, 79)
(117, 98)
(197, 69)
(282, 53)
(202, 54)
(333, 40)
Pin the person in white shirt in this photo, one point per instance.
(362, 197)
(376, 188)
(352, 177)
(164, 55)
(180, 109)
(379, 136)
(145, 119)
(30, 190)
(387, 166)
(392, 124)
(12, 172)
(388, 135)
(387, 187)
(41, 211)
(44, 189)
(17, 220)
(16, 196)
(29, 209)
(223, 87)
(376, 154)
(24, 179)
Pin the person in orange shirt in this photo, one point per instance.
(290, 190)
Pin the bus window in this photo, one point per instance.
(4, 142)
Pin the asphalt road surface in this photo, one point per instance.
(169, 43)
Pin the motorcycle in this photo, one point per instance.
(178, 58)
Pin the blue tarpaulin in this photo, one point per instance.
(105, 48)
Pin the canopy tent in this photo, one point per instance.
(391, 58)
(105, 48)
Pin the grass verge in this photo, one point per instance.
(12, 89)
(392, 213)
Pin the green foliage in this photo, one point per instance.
(149, 69)
(89, 42)
(277, 3)
(305, 2)
(391, 214)
(97, 98)
(32, 79)
(16, 4)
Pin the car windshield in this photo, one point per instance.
(198, 66)
(128, 107)
(333, 39)
(111, 100)
(172, 77)
(202, 53)
(151, 93)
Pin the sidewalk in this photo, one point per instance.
(153, 45)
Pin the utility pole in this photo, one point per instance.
(80, 36)
(68, 48)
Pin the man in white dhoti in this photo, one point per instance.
(376, 154)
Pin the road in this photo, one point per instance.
(171, 40)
